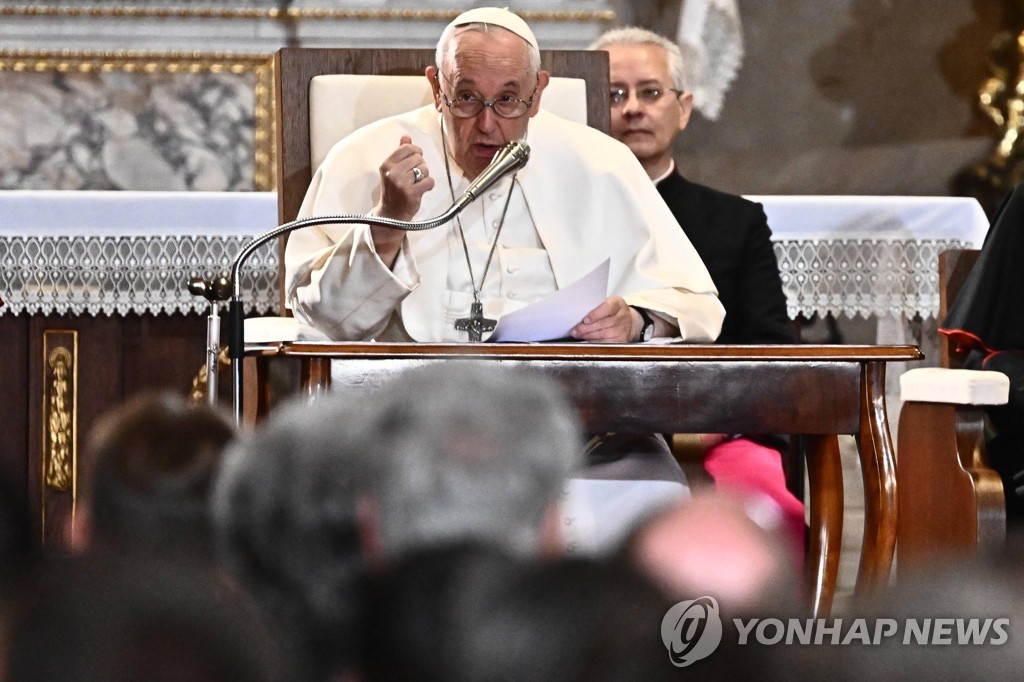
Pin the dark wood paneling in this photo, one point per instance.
(676, 395)
(162, 352)
(14, 406)
(118, 357)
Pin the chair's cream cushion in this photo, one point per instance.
(341, 103)
(276, 329)
(954, 386)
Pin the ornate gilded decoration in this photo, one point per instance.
(1001, 100)
(59, 457)
(137, 61)
(264, 133)
(289, 14)
(59, 443)
(200, 382)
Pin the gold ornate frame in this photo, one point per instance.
(289, 14)
(170, 62)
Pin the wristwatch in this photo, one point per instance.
(647, 330)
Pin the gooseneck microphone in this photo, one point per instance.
(510, 158)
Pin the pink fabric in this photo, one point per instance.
(745, 466)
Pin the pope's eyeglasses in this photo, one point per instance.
(468, 104)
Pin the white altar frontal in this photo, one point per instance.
(862, 256)
(120, 252)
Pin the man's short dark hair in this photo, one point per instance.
(150, 467)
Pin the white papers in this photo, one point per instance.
(554, 316)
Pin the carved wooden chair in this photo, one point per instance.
(950, 502)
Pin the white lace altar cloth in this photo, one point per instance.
(121, 252)
(65, 252)
(868, 255)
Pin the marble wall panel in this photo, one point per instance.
(142, 123)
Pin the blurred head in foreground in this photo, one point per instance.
(469, 451)
(149, 469)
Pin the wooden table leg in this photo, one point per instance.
(255, 388)
(316, 377)
(825, 487)
(878, 467)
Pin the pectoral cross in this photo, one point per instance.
(476, 324)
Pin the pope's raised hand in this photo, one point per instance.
(404, 179)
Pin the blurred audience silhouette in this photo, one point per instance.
(148, 471)
(471, 451)
(411, 529)
(471, 612)
(957, 621)
(18, 551)
(285, 509)
(127, 618)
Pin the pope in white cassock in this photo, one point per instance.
(581, 199)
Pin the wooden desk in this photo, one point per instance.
(815, 391)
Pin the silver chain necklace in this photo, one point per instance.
(475, 324)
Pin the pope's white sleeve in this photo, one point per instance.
(334, 279)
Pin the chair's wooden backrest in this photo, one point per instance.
(296, 67)
(954, 266)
